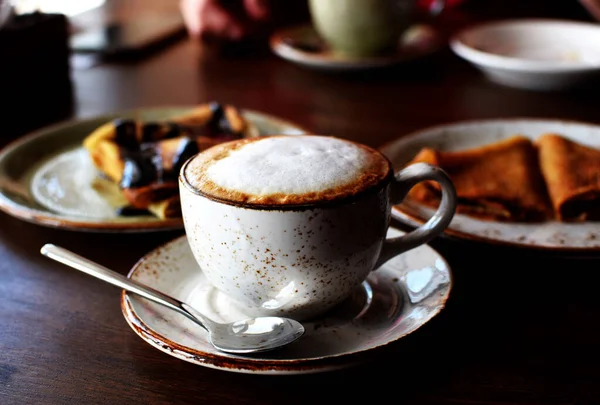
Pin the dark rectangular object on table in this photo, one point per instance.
(35, 82)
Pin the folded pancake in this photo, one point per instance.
(168, 208)
(572, 175)
(223, 119)
(499, 181)
(144, 158)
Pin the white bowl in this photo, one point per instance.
(535, 54)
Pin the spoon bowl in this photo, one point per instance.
(245, 336)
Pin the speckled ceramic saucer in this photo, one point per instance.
(551, 236)
(397, 299)
(48, 178)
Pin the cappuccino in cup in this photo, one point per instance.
(291, 225)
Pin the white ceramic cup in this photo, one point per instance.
(298, 256)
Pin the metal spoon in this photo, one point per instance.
(245, 336)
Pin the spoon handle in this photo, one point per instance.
(87, 266)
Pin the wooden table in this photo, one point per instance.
(519, 328)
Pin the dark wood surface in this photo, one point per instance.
(519, 328)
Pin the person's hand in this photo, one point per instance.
(225, 20)
(593, 7)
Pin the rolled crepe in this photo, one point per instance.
(499, 181)
(572, 175)
(168, 208)
(144, 158)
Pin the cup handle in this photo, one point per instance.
(405, 180)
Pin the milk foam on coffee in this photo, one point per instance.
(286, 169)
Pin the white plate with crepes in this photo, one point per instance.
(49, 179)
(550, 235)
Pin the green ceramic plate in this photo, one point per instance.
(47, 177)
